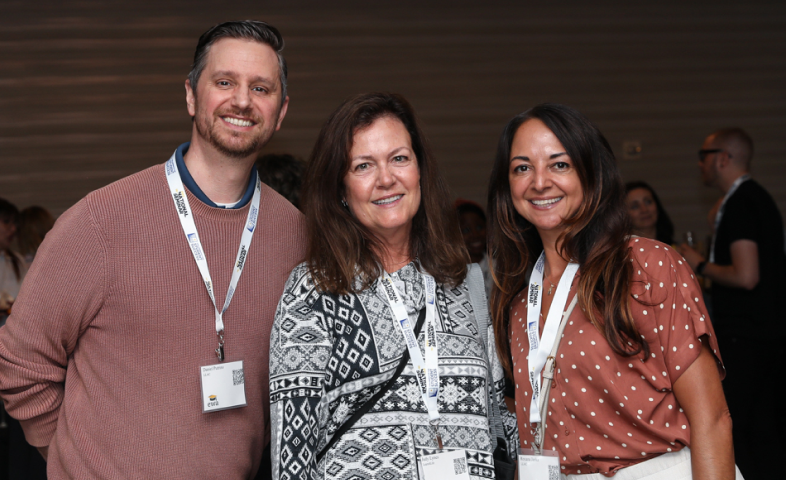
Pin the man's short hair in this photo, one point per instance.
(246, 29)
(738, 142)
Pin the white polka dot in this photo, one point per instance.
(574, 367)
(653, 378)
(566, 446)
(671, 406)
(589, 378)
(660, 264)
(690, 346)
(684, 427)
(645, 312)
(581, 438)
(652, 399)
(645, 264)
(597, 367)
(582, 353)
(584, 390)
(592, 342)
(600, 400)
(674, 348)
(640, 412)
(608, 358)
(677, 367)
(667, 424)
(625, 445)
(664, 374)
(575, 404)
(633, 388)
(598, 447)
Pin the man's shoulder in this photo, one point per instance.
(131, 191)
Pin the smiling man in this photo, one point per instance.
(138, 346)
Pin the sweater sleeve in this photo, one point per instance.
(299, 350)
(509, 423)
(63, 291)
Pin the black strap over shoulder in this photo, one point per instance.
(373, 400)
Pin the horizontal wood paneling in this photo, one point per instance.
(92, 91)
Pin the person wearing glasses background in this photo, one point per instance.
(747, 267)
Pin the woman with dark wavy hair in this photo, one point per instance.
(648, 218)
(608, 339)
(351, 392)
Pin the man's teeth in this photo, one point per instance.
(542, 203)
(238, 122)
(385, 201)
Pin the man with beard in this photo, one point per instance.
(138, 345)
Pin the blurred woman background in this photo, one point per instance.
(12, 266)
(631, 377)
(648, 217)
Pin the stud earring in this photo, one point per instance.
(344, 203)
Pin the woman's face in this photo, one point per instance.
(544, 184)
(382, 186)
(642, 209)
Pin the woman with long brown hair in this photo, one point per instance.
(356, 388)
(615, 361)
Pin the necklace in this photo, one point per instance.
(551, 288)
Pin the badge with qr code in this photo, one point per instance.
(445, 466)
(223, 386)
(538, 467)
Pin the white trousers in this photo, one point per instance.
(669, 466)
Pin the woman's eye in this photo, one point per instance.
(400, 158)
(223, 83)
(561, 165)
(521, 168)
(361, 166)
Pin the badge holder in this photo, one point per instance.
(538, 465)
(223, 386)
(445, 464)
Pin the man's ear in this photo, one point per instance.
(190, 99)
(282, 113)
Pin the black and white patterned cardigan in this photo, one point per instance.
(329, 354)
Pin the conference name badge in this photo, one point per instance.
(445, 466)
(223, 386)
(538, 467)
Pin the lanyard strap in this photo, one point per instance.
(186, 217)
(539, 347)
(426, 370)
(719, 213)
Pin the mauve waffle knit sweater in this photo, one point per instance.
(100, 358)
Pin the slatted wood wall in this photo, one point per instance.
(91, 91)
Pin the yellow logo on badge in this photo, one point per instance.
(212, 398)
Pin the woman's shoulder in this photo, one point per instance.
(652, 256)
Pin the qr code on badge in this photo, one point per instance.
(459, 466)
(237, 377)
(553, 472)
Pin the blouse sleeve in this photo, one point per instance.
(670, 309)
(299, 349)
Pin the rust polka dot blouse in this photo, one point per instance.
(607, 411)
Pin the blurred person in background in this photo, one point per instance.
(647, 215)
(747, 267)
(12, 266)
(34, 223)
(631, 374)
(283, 173)
(472, 221)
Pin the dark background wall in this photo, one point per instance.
(91, 91)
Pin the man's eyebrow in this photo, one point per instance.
(256, 78)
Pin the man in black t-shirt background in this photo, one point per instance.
(747, 267)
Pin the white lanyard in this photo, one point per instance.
(427, 372)
(190, 230)
(539, 347)
(719, 213)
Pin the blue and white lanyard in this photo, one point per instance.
(426, 370)
(189, 228)
(540, 347)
